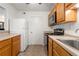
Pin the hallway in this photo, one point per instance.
(34, 50)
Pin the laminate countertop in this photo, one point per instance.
(5, 36)
(71, 50)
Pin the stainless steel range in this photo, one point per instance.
(58, 31)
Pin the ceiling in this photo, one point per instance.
(33, 6)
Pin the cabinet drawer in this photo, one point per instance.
(14, 39)
(61, 51)
(5, 51)
(5, 43)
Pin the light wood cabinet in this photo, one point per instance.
(71, 15)
(50, 47)
(60, 10)
(65, 12)
(5, 51)
(55, 53)
(70, 12)
(69, 6)
(55, 49)
(5, 47)
(10, 46)
(58, 50)
(15, 45)
(5, 42)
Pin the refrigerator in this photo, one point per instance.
(20, 26)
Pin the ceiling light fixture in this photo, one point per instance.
(39, 3)
(27, 3)
(33, 3)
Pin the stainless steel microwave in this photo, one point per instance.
(1, 25)
(52, 19)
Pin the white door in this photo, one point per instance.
(35, 30)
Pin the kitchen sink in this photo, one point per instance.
(72, 43)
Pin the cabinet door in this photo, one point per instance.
(16, 46)
(5, 51)
(71, 15)
(60, 50)
(5, 43)
(50, 47)
(70, 12)
(69, 6)
(55, 53)
(60, 12)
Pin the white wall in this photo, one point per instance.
(19, 25)
(15, 23)
(43, 23)
(10, 14)
(15, 15)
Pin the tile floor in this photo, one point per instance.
(34, 50)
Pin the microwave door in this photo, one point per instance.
(1, 25)
(52, 20)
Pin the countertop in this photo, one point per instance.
(70, 49)
(5, 36)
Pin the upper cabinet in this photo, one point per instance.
(65, 12)
(69, 6)
(60, 12)
(70, 13)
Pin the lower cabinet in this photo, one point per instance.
(5, 47)
(50, 47)
(5, 51)
(55, 49)
(55, 53)
(15, 45)
(10, 47)
(58, 50)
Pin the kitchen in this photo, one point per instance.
(42, 26)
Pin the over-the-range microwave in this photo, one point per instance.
(52, 19)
